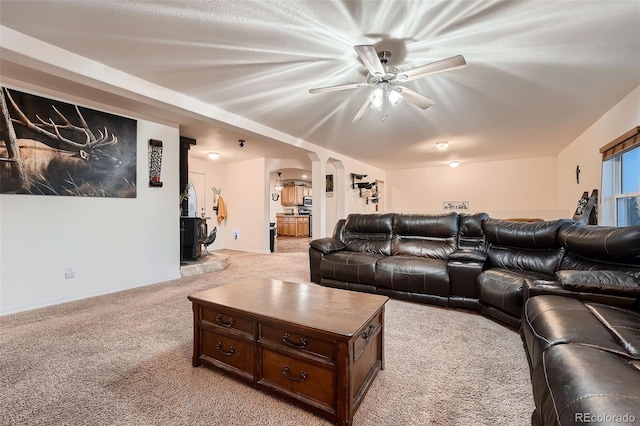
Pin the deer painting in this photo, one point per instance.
(49, 147)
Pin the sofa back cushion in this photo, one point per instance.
(423, 235)
(527, 246)
(471, 235)
(591, 247)
(338, 230)
(368, 233)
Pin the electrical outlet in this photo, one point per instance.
(69, 273)
(235, 235)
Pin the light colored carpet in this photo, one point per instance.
(125, 359)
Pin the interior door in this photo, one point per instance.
(197, 185)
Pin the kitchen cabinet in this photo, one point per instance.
(293, 195)
(293, 225)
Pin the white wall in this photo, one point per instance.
(353, 202)
(111, 243)
(245, 195)
(345, 200)
(585, 151)
(504, 189)
(331, 208)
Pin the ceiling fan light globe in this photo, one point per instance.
(394, 97)
(376, 99)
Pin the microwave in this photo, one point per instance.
(306, 201)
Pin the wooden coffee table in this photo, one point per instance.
(318, 347)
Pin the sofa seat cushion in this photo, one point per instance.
(578, 384)
(551, 320)
(413, 274)
(623, 324)
(349, 266)
(502, 288)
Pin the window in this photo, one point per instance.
(621, 180)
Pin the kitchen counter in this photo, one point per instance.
(293, 225)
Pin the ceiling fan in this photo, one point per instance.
(385, 80)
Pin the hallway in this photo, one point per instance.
(291, 244)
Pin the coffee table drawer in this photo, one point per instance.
(227, 320)
(233, 352)
(301, 342)
(365, 336)
(297, 377)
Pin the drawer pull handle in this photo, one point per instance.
(226, 324)
(285, 373)
(219, 348)
(301, 345)
(368, 332)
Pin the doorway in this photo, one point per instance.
(196, 202)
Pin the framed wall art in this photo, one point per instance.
(49, 147)
(329, 183)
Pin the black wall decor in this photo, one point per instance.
(329, 183)
(155, 163)
(49, 147)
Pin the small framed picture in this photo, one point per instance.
(329, 183)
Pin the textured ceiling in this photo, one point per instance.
(538, 72)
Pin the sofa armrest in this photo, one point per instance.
(468, 255)
(537, 287)
(327, 245)
(601, 282)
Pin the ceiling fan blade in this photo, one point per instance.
(362, 111)
(415, 98)
(369, 57)
(336, 88)
(448, 64)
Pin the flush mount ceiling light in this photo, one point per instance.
(214, 155)
(442, 145)
(385, 81)
(454, 164)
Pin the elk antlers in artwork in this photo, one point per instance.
(53, 131)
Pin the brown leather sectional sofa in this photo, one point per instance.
(572, 290)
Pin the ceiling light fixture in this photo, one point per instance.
(278, 186)
(214, 155)
(454, 164)
(394, 96)
(385, 94)
(377, 99)
(385, 81)
(442, 145)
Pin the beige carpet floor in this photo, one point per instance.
(125, 359)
